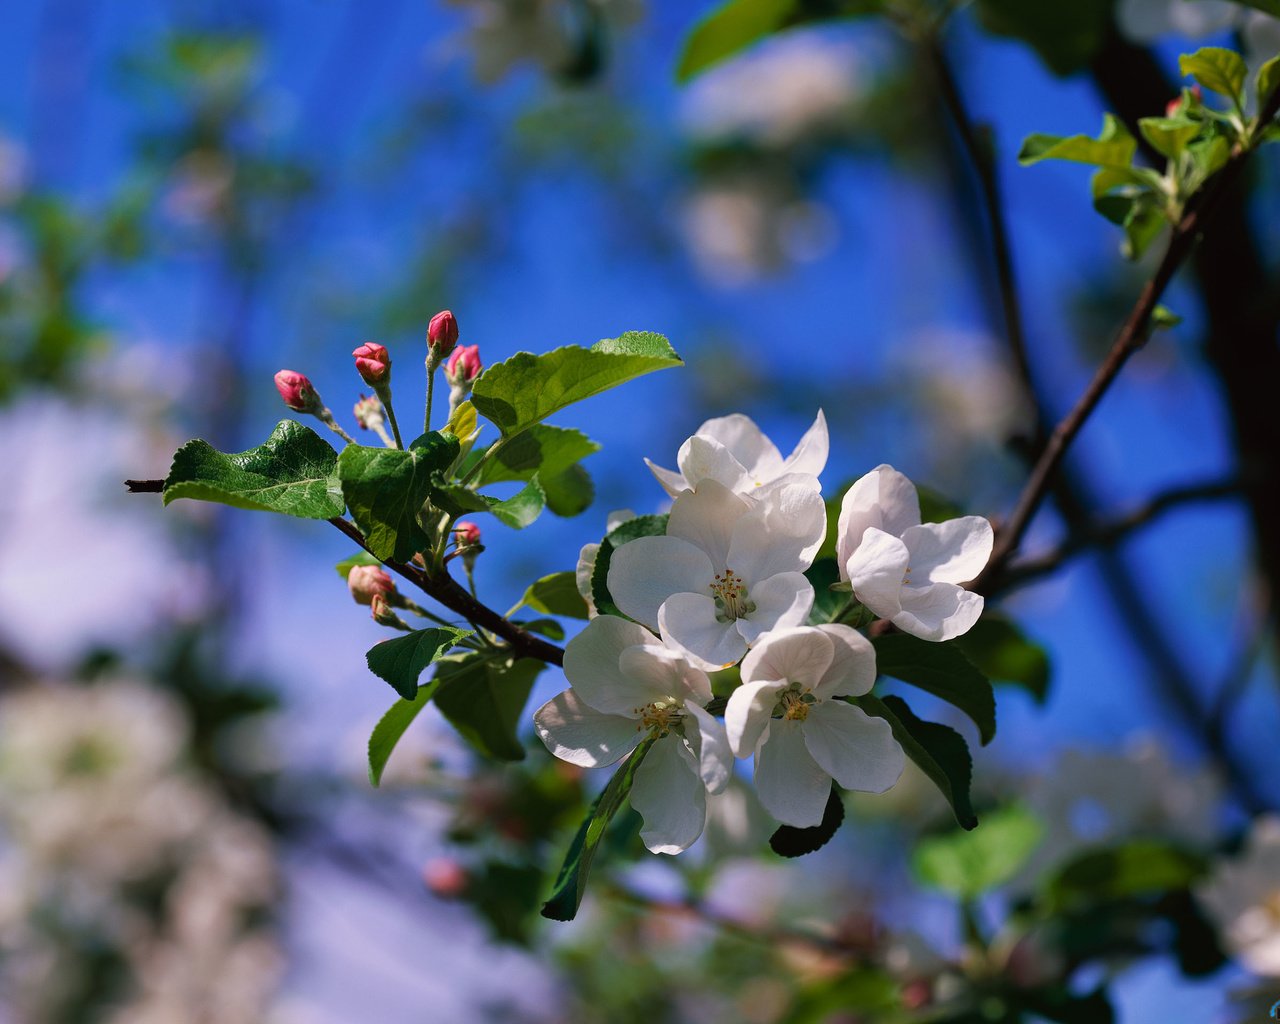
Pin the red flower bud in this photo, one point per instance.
(468, 534)
(464, 365)
(442, 334)
(296, 391)
(369, 581)
(380, 608)
(374, 363)
(445, 877)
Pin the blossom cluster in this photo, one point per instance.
(725, 586)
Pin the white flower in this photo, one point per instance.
(586, 566)
(1243, 898)
(905, 571)
(733, 451)
(727, 571)
(626, 686)
(786, 712)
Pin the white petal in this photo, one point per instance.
(939, 611)
(738, 433)
(782, 534)
(688, 624)
(790, 783)
(591, 664)
(856, 750)
(665, 674)
(579, 734)
(582, 575)
(781, 601)
(875, 571)
(853, 665)
(810, 455)
(672, 482)
(645, 572)
(747, 714)
(669, 795)
(705, 517)
(704, 458)
(710, 746)
(799, 655)
(952, 552)
(884, 499)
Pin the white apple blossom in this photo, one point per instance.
(626, 686)
(1243, 899)
(733, 451)
(906, 571)
(786, 712)
(727, 571)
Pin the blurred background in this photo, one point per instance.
(196, 194)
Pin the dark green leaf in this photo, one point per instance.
(1114, 147)
(1065, 35)
(569, 493)
(1140, 867)
(1268, 79)
(789, 841)
(549, 628)
(826, 602)
(1218, 69)
(542, 449)
(386, 488)
(386, 734)
(1002, 652)
(293, 472)
(730, 29)
(359, 558)
(483, 697)
(556, 594)
(401, 659)
(941, 753)
(571, 882)
(632, 529)
(967, 864)
(943, 670)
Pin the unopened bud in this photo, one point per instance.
(373, 363)
(445, 877)
(368, 412)
(468, 534)
(369, 581)
(380, 608)
(463, 366)
(1188, 99)
(442, 333)
(298, 392)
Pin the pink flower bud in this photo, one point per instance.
(380, 608)
(464, 365)
(442, 334)
(445, 877)
(369, 581)
(374, 363)
(468, 535)
(368, 412)
(297, 392)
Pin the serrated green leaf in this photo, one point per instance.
(632, 529)
(522, 391)
(1003, 653)
(571, 882)
(1218, 69)
(1169, 135)
(391, 726)
(968, 864)
(790, 841)
(385, 489)
(542, 449)
(1268, 79)
(401, 659)
(1139, 867)
(556, 594)
(522, 508)
(940, 752)
(359, 558)
(1114, 147)
(293, 472)
(483, 697)
(943, 670)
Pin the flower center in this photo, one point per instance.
(730, 593)
(906, 577)
(795, 703)
(659, 716)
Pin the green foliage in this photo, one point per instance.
(861, 993)
(1114, 147)
(632, 529)
(518, 511)
(1169, 135)
(1268, 80)
(789, 841)
(292, 472)
(571, 882)
(1065, 35)
(943, 670)
(827, 603)
(939, 751)
(968, 864)
(550, 453)
(359, 558)
(730, 29)
(483, 695)
(391, 726)
(1002, 652)
(1138, 868)
(1218, 69)
(556, 594)
(401, 659)
(386, 489)
(522, 391)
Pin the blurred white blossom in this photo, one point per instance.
(1243, 899)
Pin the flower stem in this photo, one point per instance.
(384, 396)
(326, 417)
(431, 382)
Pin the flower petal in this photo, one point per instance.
(790, 783)
(665, 674)
(688, 623)
(645, 572)
(856, 750)
(875, 570)
(810, 455)
(669, 795)
(952, 552)
(710, 745)
(582, 574)
(801, 654)
(672, 482)
(705, 517)
(853, 665)
(883, 498)
(782, 534)
(575, 732)
(704, 458)
(747, 714)
(781, 601)
(939, 611)
(739, 434)
(591, 664)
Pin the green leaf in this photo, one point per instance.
(1208, 156)
(730, 29)
(1140, 867)
(1114, 147)
(571, 882)
(789, 841)
(1169, 135)
(943, 670)
(967, 864)
(522, 508)
(826, 602)
(292, 472)
(1268, 80)
(1065, 35)
(1162, 317)
(632, 529)
(542, 449)
(359, 558)
(391, 726)
(556, 594)
(401, 659)
(1218, 69)
(1002, 652)
(941, 753)
(522, 391)
(483, 697)
(386, 488)
(569, 493)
